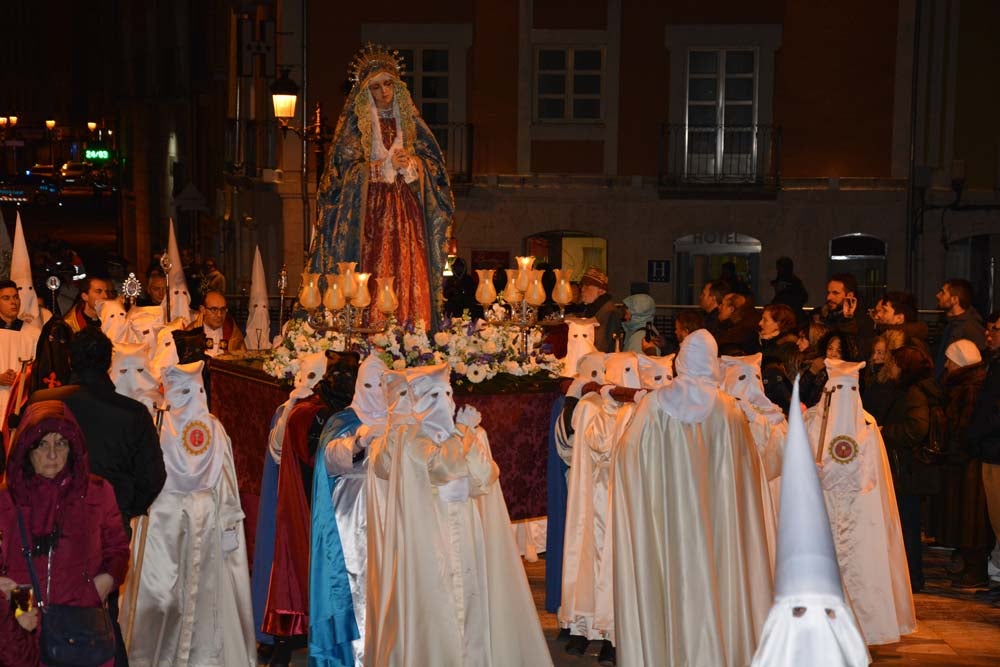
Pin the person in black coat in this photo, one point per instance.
(122, 442)
(905, 429)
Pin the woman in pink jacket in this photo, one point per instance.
(67, 513)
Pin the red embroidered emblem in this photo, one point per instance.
(843, 449)
(197, 438)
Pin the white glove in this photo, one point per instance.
(455, 491)
(468, 416)
(230, 540)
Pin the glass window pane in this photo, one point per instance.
(737, 142)
(587, 84)
(739, 62)
(701, 114)
(551, 84)
(551, 59)
(589, 59)
(551, 107)
(703, 90)
(701, 142)
(434, 87)
(587, 109)
(703, 62)
(435, 60)
(739, 89)
(739, 115)
(407, 56)
(434, 113)
(408, 80)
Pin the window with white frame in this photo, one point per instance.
(569, 82)
(427, 77)
(721, 133)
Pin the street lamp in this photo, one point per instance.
(91, 126)
(284, 95)
(50, 125)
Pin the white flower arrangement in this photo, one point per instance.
(476, 350)
(299, 340)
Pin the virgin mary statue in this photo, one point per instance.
(385, 200)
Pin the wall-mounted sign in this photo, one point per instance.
(658, 271)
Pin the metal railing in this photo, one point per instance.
(455, 140)
(719, 154)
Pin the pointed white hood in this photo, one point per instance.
(369, 395)
(145, 322)
(433, 404)
(131, 374)
(177, 287)
(590, 368)
(20, 273)
(579, 341)
(397, 397)
(809, 623)
(114, 320)
(622, 369)
(742, 381)
(311, 370)
(656, 372)
(258, 334)
(194, 444)
(691, 396)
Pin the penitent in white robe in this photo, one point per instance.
(864, 519)
(691, 569)
(193, 605)
(16, 347)
(445, 582)
(587, 606)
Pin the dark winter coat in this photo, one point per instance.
(79, 509)
(904, 429)
(983, 431)
(968, 325)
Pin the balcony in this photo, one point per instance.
(719, 162)
(455, 140)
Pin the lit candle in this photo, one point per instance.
(535, 294)
(309, 295)
(363, 298)
(386, 301)
(348, 282)
(486, 293)
(510, 293)
(334, 298)
(562, 293)
(524, 265)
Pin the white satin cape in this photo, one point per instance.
(864, 519)
(193, 605)
(445, 583)
(587, 605)
(692, 575)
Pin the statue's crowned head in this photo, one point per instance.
(374, 59)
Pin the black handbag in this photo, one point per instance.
(70, 636)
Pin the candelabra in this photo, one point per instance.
(342, 307)
(524, 293)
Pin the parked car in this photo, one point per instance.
(29, 188)
(46, 170)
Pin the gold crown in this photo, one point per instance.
(374, 58)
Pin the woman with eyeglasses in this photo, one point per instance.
(78, 547)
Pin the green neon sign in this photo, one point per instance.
(97, 154)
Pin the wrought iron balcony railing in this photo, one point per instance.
(720, 154)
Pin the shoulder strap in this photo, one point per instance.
(26, 550)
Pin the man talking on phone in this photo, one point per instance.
(843, 314)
